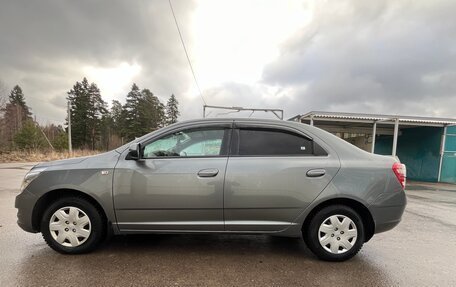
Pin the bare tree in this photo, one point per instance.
(3, 95)
(3, 101)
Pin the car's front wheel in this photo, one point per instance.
(335, 233)
(72, 225)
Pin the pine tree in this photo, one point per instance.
(117, 123)
(16, 114)
(105, 131)
(87, 109)
(172, 110)
(17, 98)
(132, 113)
(29, 137)
(96, 115)
(143, 113)
(152, 111)
(79, 105)
(118, 117)
(60, 141)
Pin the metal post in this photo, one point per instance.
(396, 131)
(275, 113)
(238, 109)
(442, 152)
(70, 147)
(374, 134)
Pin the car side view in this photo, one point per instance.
(242, 176)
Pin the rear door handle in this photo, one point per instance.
(316, 172)
(209, 172)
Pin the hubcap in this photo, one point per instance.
(70, 226)
(337, 234)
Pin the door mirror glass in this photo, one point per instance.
(134, 151)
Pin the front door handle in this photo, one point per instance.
(209, 172)
(316, 172)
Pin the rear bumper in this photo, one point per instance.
(386, 215)
(387, 218)
(25, 203)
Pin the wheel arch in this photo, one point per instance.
(361, 209)
(55, 194)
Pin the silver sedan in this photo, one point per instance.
(219, 176)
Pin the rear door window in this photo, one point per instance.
(273, 142)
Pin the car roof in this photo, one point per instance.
(292, 124)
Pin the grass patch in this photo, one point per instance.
(40, 156)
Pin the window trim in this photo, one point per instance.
(224, 149)
(235, 141)
(238, 125)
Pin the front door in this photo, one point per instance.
(178, 185)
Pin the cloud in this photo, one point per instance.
(363, 56)
(46, 46)
(338, 55)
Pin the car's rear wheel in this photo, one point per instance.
(335, 233)
(72, 225)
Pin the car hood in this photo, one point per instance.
(62, 162)
(100, 161)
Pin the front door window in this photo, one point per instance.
(188, 143)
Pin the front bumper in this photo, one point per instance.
(25, 202)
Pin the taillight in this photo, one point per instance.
(400, 172)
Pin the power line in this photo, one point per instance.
(186, 53)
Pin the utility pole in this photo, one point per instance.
(70, 147)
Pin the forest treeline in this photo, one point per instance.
(94, 125)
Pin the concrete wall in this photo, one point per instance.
(418, 148)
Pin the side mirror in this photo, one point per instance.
(134, 151)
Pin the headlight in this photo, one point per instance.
(30, 176)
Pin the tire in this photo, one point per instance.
(77, 226)
(340, 230)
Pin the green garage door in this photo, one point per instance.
(448, 168)
(448, 173)
(418, 148)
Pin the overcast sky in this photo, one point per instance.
(394, 57)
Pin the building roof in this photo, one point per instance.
(371, 118)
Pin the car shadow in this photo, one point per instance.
(196, 260)
(208, 244)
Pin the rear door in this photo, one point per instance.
(273, 174)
